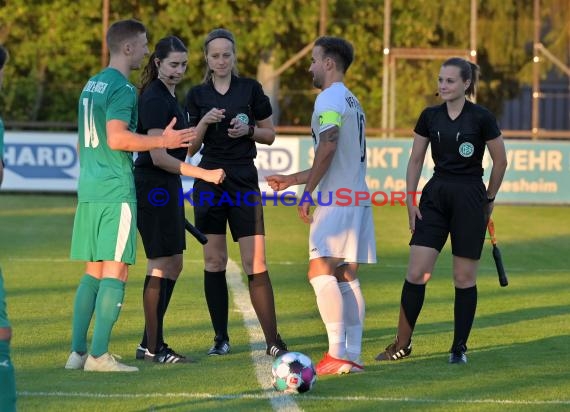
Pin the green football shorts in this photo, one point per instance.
(105, 232)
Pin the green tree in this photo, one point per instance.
(50, 44)
(55, 45)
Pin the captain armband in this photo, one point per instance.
(330, 117)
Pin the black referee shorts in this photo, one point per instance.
(237, 202)
(453, 207)
(161, 226)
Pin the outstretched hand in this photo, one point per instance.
(174, 139)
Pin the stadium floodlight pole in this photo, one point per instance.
(535, 72)
(385, 72)
(323, 18)
(473, 38)
(105, 26)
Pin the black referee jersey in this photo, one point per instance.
(157, 107)
(244, 97)
(458, 146)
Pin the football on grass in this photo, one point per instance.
(293, 372)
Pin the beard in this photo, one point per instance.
(317, 83)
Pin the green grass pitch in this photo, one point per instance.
(518, 349)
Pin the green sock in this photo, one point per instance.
(7, 379)
(83, 308)
(107, 309)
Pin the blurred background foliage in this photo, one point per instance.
(55, 46)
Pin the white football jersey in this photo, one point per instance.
(337, 106)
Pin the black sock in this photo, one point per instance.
(464, 314)
(151, 304)
(144, 340)
(166, 289)
(160, 311)
(169, 289)
(261, 295)
(412, 301)
(216, 291)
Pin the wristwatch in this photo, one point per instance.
(490, 199)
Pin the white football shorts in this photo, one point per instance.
(343, 232)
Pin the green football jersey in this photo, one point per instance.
(105, 175)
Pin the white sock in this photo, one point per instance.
(329, 302)
(354, 311)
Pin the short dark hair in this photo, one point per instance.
(467, 71)
(121, 31)
(338, 49)
(3, 56)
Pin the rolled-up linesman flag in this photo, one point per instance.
(200, 237)
(503, 280)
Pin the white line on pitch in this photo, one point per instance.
(261, 361)
(269, 395)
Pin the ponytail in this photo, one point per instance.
(149, 73)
